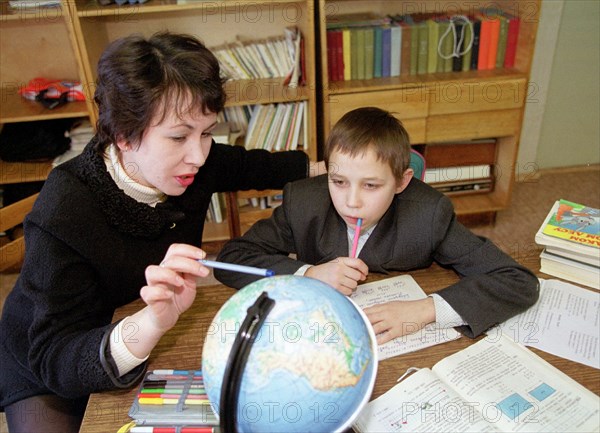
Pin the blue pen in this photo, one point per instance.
(238, 268)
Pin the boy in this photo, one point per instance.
(406, 225)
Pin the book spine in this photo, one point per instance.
(347, 49)
(377, 52)
(511, 42)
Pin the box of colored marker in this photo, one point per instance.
(173, 398)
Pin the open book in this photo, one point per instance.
(402, 288)
(493, 385)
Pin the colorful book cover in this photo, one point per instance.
(433, 32)
(369, 52)
(422, 47)
(396, 50)
(576, 223)
(387, 52)
(405, 55)
(502, 39)
(493, 42)
(378, 52)
(347, 49)
(511, 41)
(475, 47)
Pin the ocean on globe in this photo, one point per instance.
(312, 366)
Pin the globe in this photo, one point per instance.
(311, 367)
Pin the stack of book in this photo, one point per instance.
(367, 45)
(570, 235)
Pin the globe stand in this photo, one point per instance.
(236, 362)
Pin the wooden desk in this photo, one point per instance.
(181, 348)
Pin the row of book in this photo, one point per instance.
(278, 57)
(276, 127)
(460, 167)
(366, 46)
(570, 235)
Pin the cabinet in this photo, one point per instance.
(443, 106)
(68, 41)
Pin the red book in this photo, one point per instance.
(484, 43)
(511, 41)
(339, 52)
(493, 44)
(302, 63)
(332, 66)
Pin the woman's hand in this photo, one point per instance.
(170, 290)
(342, 273)
(398, 318)
(171, 286)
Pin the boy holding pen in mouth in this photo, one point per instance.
(402, 224)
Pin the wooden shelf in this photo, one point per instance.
(15, 108)
(19, 172)
(443, 107)
(91, 8)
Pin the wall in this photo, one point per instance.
(570, 131)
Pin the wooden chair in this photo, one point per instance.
(240, 219)
(12, 216)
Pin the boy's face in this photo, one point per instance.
(362, 187)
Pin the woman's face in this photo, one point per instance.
(171, 152)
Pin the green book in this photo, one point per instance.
(360, 54)
(354, 53)
(432, 46)
(422, 48)
(377, 52)
(466, 63)
(414, 49)
(446, 45)
(369, 52)
(502, 37)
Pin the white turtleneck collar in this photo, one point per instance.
(140, 193)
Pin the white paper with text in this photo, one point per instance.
(402, 288)
(565, 321)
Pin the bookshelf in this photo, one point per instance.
(67, 41)
(443, 106)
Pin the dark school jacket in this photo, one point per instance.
(419, 228)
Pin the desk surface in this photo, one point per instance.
(181, 349)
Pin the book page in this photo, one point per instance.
(421, 403)
(401, 288)
(565, 321)
(517, 391)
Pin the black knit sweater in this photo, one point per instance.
(88, 245)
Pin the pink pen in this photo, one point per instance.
(356, 236)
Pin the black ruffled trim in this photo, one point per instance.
(123, 212)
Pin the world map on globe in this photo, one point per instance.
(312, 366)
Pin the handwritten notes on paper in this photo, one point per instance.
(402, 288)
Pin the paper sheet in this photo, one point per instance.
(564, 322)
(402, 288)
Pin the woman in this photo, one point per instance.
(123, 219)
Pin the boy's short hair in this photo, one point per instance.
(371, 127)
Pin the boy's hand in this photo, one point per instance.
(398, 318)
(342, 273)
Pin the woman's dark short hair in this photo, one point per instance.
(371, 128)
(139, 79)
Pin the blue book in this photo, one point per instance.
(386, 52)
